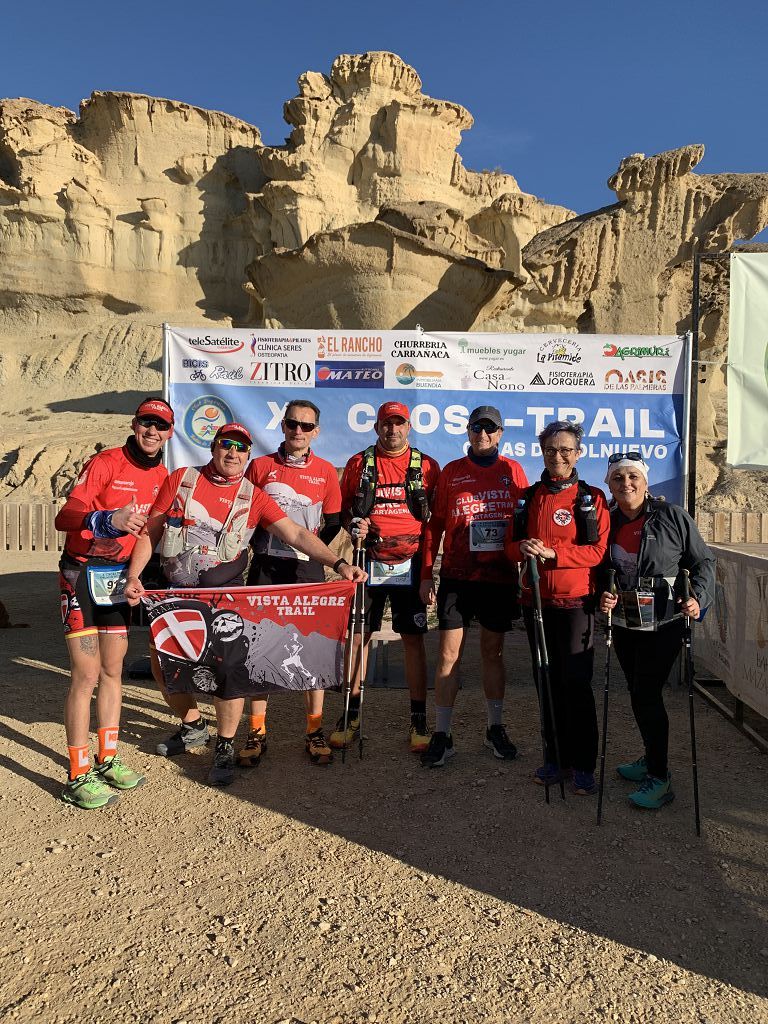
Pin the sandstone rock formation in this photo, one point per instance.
(144, 210)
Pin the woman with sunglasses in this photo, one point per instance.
(651, 542)
(563, 523)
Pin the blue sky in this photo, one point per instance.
(560, 92)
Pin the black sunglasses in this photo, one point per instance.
(299, 425)
(228, 442)
(618, 456)
(484, 427)
(151, 421)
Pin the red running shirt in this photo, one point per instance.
(473, 505)
(304, 492)
(107, 482)
(397, 533)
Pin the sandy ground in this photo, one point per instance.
(374, 891)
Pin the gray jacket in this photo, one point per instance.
(670, 542)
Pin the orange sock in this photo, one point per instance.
(107, 742)
(258, 723)
(314, 722)
(78, 761)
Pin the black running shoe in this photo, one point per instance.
(440, 747)
(188, 737)
(502, 746)
(222, 772)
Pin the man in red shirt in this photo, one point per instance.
(306, 488)
(474, 502)
(386, 494)
(103, 515)
(205, 517)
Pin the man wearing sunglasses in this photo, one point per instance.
(203, 520)
(474, 501)
(102, 517)
(386, 495)
(306, 488)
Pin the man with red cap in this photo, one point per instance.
(102, 517)
(203, 519)
(386, 494)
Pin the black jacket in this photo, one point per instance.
(670, 542)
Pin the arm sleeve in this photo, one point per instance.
(81, 498)
(329, 529)
(512, 546)
(433, 531)
(349, 481)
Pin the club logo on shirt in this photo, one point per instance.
(562, 517)
(506, 480)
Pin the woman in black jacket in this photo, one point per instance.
(650, 543)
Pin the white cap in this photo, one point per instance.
(637, 464)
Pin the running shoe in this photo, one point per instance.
(222, 772)
(255, 746)
(583, 783)
(317, 747)
(118, 775)
(88, 791)
(550, 775)
(338, 739)
(653, 793)
(189, 736)
(634, 771)
(496, 739)
(418, 734)
(440, 747)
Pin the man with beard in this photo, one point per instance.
(205, 516)
(102, 517)
(386, 495)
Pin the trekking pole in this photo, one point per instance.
(608, 645)
(351, 635)
(542, 666)
(360, 558)
(689, 674)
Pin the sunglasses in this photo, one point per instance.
(618, 456)
(150, 421)
(299, 425)
(228, 443)
(483, 427)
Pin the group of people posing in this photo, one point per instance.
(400, 509)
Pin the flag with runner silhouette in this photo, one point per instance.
(249, 640)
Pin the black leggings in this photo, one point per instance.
(646, 660)
(569, 634)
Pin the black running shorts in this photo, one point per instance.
(494, 605)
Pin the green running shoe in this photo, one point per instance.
(88, 791)
(115, 773)
(653, 793)
(634, 771)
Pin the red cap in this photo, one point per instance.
(234, 428)
(156, 407)
(392, 409)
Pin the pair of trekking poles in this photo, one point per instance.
(545, 690)
(356, 628)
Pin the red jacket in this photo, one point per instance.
(552, 519)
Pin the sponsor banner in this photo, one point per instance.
(748, 361)
(250, 640)
(627, 392)
(731, 642)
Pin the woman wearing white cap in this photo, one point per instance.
(651, 542)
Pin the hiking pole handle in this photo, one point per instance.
(686, 584)
(611, 590)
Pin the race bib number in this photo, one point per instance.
(487, 534)
(277, 549)
(106, 583)
(635, 610)
(400, 575)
